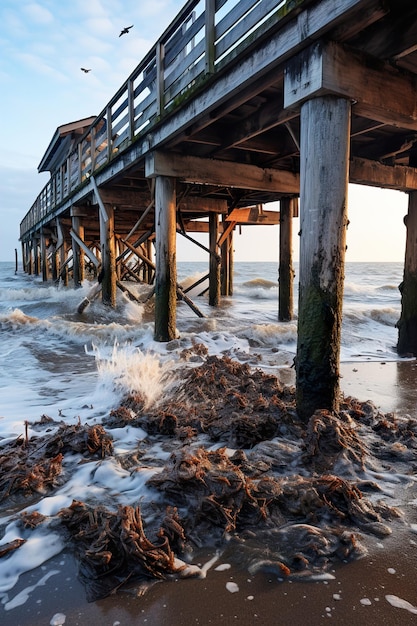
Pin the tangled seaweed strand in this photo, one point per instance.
(112, 547)
(33, 466)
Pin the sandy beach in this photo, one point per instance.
(377, 589)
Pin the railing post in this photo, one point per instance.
(109, 133)
(79, 157)
(68, 177)
(210, 12)
(131, 108)
(92, 149)
(61, 182)
(160, 56)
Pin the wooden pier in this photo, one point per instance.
(240, 104)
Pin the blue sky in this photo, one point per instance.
(44, 44)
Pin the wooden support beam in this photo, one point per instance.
(123, 197)
(138, 253)
(191, 169)
(375, 174)
(86, 249)
(407, 324)
(166, 270)
(286, 270)
(77, 251)
(108, 255)
(324, 163)
(268, 116)
(214, 262)
(225, 244)
(380, 92)
(44, 258)
(193, 204)
(36, 256)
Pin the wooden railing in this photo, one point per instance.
(205, 37)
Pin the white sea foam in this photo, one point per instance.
(38, 548)
(399, 603)
(21, 597)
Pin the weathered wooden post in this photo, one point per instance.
(324, 162)
(36, 257)
(226, 266)
(25, 256)
(214, 264)
(286, 270)
(149, 254)
(166, 266)
(312, 82)
(30, 268)
(108, 254)
(60, 248)
(44, 258)
(407, 324)
(77, 253)
(55, 262)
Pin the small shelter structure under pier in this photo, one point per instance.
(240, 104)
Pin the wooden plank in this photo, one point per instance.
(222, 173)
(240, 29)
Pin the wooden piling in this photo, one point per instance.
(324, 160)
(108, 254)
(44, 258)
(214, 264)
(36, 257)
(407, 324)
(226, 266)
(166, 270)
(285, 271)
(77, 252)
(30, 260)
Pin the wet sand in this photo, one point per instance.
(361, 592)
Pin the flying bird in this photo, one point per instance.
(126, 30)
(84, 70)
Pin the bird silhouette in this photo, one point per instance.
(84, 70)
(126, 30)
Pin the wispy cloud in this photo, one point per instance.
(37, 13)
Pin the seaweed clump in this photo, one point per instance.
(240, 470)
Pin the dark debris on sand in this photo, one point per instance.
(272, 491)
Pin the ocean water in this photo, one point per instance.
(54, 357)
(75, 368)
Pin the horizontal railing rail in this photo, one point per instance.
(203, 39)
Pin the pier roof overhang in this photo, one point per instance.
(61, 143)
